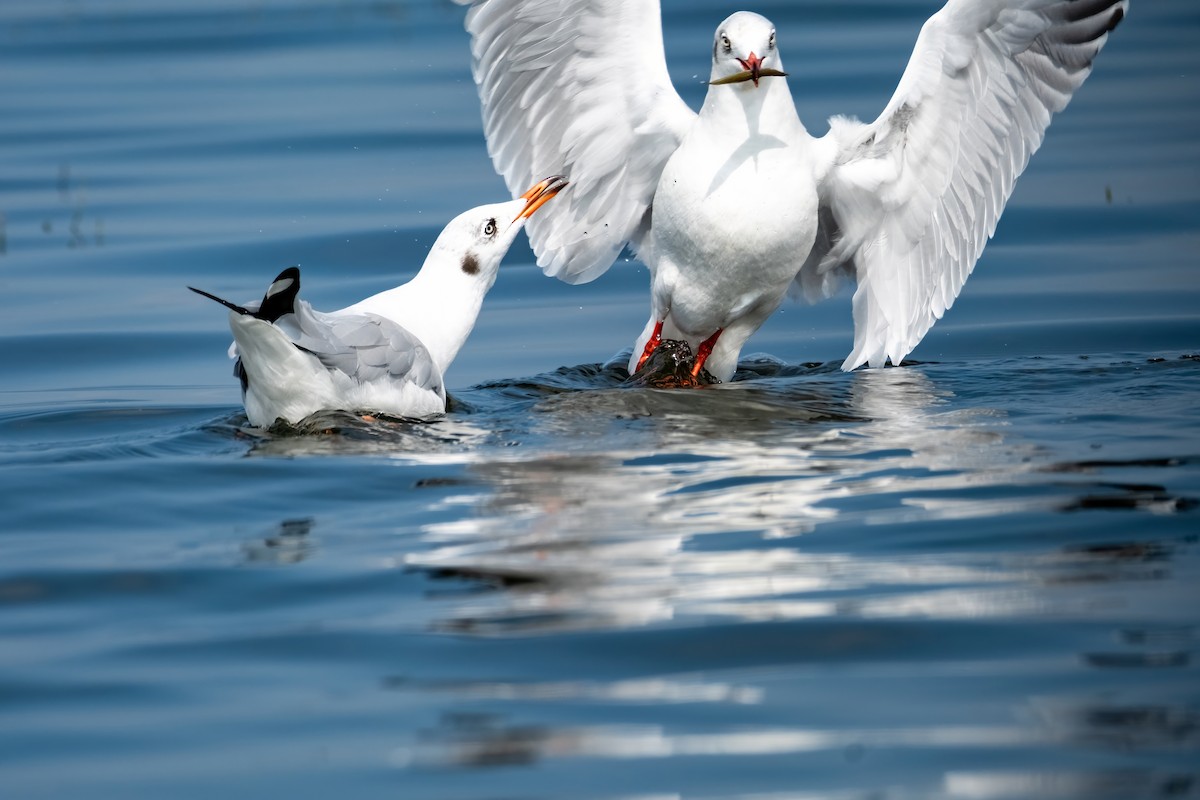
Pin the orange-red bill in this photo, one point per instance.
(538, 194)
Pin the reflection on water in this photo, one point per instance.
(647, 690)
(486, 741)
(973, 577)
(332, 433)
(1130, 784)
(289, 545)
(714, 525)
(1120, 727)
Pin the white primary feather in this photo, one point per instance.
(578, 87)
(913, 197)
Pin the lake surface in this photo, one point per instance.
(974, 576)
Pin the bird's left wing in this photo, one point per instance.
(911, 199)
(365, 347)
(580, 88)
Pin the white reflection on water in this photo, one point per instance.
(1128, 784)
(640, 691)
(682, 521)
(490, 740)
(485, 742)
(641, 506)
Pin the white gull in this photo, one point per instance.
(736, 207)
(385, 354)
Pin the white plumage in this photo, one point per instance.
(388, 353)
(732, 207)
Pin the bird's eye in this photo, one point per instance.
(771, 41)
(725, 43)
(490, 228)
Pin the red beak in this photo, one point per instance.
(752, 64)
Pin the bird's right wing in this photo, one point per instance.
(580, 88)
(913, 197)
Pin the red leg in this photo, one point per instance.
(704, 351)
(651, 345)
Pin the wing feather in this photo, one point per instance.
(577, 87)
(365, 347)
(912, 198)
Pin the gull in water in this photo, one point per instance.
(738, 206)
(386, 354)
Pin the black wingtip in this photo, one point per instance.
(280, 298)
(226, 303)
(1116, 18)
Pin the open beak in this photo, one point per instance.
(538, 194)
(752, 70)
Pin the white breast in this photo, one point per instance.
(734, 217)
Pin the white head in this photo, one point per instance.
(439, 306)
(744, 51)
(469, 249)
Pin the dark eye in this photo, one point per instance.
(490, 228)
(771, 41)
(726, 43)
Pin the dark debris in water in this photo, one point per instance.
(670, 366)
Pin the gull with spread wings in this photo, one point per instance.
(736, 206)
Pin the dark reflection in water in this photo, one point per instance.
(290, 544)
(331, 433)
(1120, 727)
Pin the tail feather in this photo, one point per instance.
(279, 300)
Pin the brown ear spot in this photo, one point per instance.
(470, 264)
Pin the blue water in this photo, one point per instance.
(976, 576)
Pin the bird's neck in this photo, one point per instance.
(743, 110)
(436, 306)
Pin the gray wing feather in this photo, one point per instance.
(365, 347)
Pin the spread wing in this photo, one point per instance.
(580, 88)
(365, 347)
(912, 198)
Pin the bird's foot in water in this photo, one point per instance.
(670, 367)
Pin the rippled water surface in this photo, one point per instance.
(975, 576)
